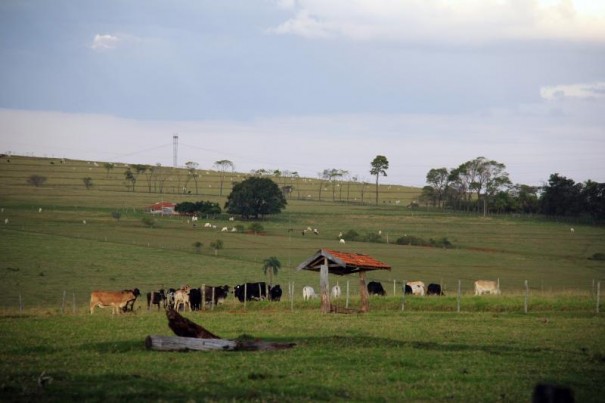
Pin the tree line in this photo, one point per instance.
(482, 185)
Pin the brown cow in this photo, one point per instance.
(117, 300)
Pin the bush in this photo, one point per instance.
(256, 227)
(373, 237)
(441, 243)
(351, 235)
(411, 240)
(36, 180)
(598, 256)
(148, 221)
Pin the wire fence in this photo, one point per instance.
(527, 300)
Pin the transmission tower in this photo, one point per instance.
(175, 149)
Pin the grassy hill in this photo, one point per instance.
(61, 236)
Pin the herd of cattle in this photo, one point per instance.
(192, 298)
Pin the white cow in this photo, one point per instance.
(308, 293)
(486, 287)
(181, 296)
(224, 229)
(418, 287)
(342, 241)
(336, 291)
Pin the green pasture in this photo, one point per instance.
(379, 356)
(59, 241)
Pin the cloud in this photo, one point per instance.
(452, 21)
(575, 91)
(104, 42)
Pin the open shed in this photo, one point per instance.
(328, 261)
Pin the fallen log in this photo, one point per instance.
(177, 343)
(191, 336)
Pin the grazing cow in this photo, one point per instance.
(251, 291)
(220, 294)
(117, 300)
(417, 287)
(275, 292)
(375, 288)
(336, 291)
(156, 298)
(308, 293)
(407, 289)
(195, 299)
(181, 297)
(434, 289)
(486, 287)
(170, 297)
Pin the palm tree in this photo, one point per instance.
(271, 264)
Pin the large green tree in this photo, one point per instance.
(255, 197)
(380, 164)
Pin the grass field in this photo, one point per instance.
(59, 242)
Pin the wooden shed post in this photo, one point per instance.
(363, 292)
(324, 285)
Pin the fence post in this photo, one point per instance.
(459, 295)
(63, 303)
(292, 298)
(203, 301)
(20, 304)
(403, 295)
(347, 303)
(394, 285)
(73, 302)
(598, 295)
(526, 295)
(245, 294)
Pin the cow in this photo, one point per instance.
(170, 297)
(375, 288)
(434, 289)
(251, 291)
(156, 298)
(486, 287)
(407, 289)
(181, 297)
(117, 300)
(275, 292)
(308, 293)
(220, 294)
(418, 287)
(336, 291)
(195, 299)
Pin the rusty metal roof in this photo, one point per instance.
(342, 263)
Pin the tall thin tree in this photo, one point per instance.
(380, 164)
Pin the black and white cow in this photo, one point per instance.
(434, 289)
(219, 293)
(251, 291)
(375, 288)
(156, 298)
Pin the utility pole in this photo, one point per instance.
(175, 149)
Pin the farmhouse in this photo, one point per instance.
(162, 208)
(342, 263)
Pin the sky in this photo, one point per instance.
(309, 85)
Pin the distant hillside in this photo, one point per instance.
(69, 173)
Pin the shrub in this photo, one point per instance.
(441, 243)
(198, 246)
(411, 240)
(148, 221)
(351, 235)
(116, 215)
(256, 227)
(598, 256)
(373, 237)
(36, 180)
